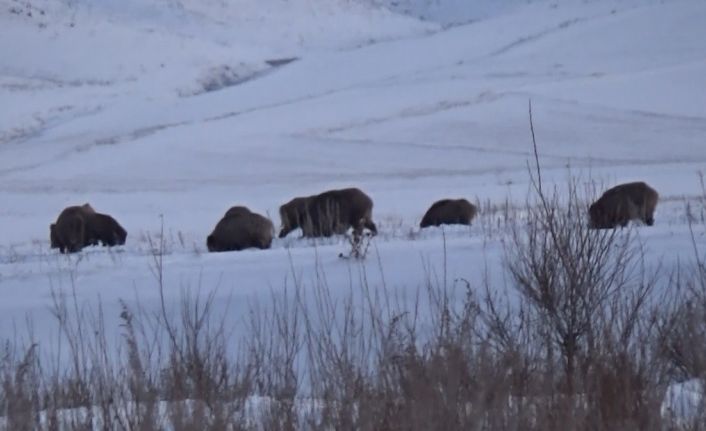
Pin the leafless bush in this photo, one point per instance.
(20, 397)
(586, 315)
(682, 340)
(360, 244)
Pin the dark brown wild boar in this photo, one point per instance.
(449, 211)
(332, 212)
(68, 233)
(81, 226)
(622, 203)
(239, 230)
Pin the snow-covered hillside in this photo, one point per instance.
(182, 109)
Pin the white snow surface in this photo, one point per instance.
(684, 403)
(169, 112)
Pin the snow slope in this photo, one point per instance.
(149, 109)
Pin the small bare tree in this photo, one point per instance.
(566, 271)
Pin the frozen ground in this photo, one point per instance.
(173, 111)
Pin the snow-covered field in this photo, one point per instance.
(169, 112)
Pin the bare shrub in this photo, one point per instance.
(682, 342)
(586, 316)
(359, 244)
(273, 349)
(20, 397)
